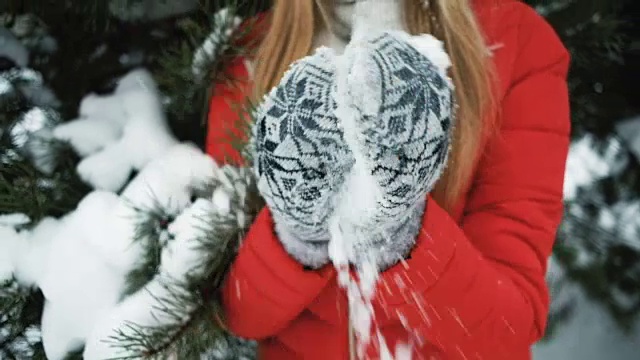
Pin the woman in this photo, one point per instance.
(471, 283)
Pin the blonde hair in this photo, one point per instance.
(290, 38)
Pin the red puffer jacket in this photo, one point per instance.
(474, 286)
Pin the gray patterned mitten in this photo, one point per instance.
(300, 156)
(362, 138)
(395, 104)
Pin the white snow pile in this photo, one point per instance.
(81, 260)
(586, 166)
(147, 307)
(14, 220)
(118, 133)
(589, 161)
(180, 259)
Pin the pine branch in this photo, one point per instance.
(96, 12)
(595, 34)
(187, 308)
(150, 230)
(597, 242)
(20, 311)
(211, 39)
(152, 342)
(193, 331)
(23, 189)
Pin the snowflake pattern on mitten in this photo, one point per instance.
(403, 118)
(405, 104)
(395, 104)
(300, 154)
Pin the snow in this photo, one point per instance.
(139, 309)
(90, 250)
(360, 193)
(170, 181)
(80, 261)
(22, 253)
(585, 165)
(30, 260)
(357, 202)
(96, 133)
(184, 254)
(5, 86)
(629, 223)
(75, 266)
(9, 240)
(32, 121)
(355, 92)
(590, 333)
(430, 47)
(233, 187)
(375, 16)
(222, 201)
(146, 308)
(119, 133)
(14, 220)
(225, 24)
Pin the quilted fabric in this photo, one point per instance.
(300, 154)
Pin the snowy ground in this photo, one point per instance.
(590, 335)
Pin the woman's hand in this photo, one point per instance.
(381, 114)
(404, 119)
(395, 105)
(300, 156)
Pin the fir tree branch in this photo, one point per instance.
(150, 225)
(187, 308)
(96, 12)
(20, 311)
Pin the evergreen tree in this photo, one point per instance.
(598, 245)
(80, 47)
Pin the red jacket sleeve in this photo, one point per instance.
(273, 288)
(478, 289)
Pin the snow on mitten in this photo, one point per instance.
(395, 103)
(300, 156)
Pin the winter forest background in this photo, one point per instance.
(85, 84)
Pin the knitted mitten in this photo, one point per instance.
(361, 138)
(394, 101)
(300, 156)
